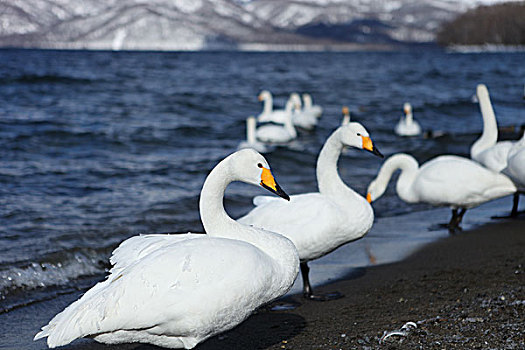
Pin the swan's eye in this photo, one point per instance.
(358, 134)
(259, 165)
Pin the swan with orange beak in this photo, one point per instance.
(319, 222)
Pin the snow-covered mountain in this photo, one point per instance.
(220, 24)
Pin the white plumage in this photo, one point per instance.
(274, 133)
(320, 222)
(487, 150)
(453, 181)
(407, 126)
(251, 139)
(177, 290)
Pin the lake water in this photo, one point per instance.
(96, 147)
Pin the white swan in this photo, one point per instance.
(320, 222)
(407, 126)
(487, 150)
(346, 115)
(278, 133)
(177, 290)
(443, 181)
(270, 115)
(309, 107)
(515, 170)
(302, 117)
(251, 141)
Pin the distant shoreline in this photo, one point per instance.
(263, 48)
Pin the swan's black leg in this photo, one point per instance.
(307, 288)
(515, 202)
(460, 215)
(455, 220)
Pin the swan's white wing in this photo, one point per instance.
(495, 157)
(403, 128)
(137, 247)
(154, 295)
(313, 222)
(277, 116)
(451, 180)
(273, 133)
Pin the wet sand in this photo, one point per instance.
(466, 291)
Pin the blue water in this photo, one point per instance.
(96, 147)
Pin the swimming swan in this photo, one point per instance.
(457, 182)
(309, 107)
(346, 115)
(320, 222)
(302, 117)
(177, 290)
(487, 150)
(271, 115)
(278, 133)
(407, 126)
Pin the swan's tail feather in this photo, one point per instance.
(79, 319)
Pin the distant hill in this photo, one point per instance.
(501, 24)
(223, 24)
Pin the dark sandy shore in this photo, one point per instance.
(463, 292)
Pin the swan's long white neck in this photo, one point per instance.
(218, 223)
(409, 168)
(307, 99)
(288, 122)
(489, 137)
(268, 104)
(328, 178)
(250, 130)
(409, 118)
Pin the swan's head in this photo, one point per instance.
(355, 135)
(264, 95)
(373, 192)
(249, 166)
(345, 110)
(482, 92)
(407, 108)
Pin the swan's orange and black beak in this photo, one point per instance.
(268, 182)
(260, 98)
(369, 146)
(369, 197)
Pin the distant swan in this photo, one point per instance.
(177, 290)
(278, 133)
(407, 126)
(457, 182)
(319, 222)
(274, 115)
(309, 107)
(346, 115)
(302, 117)
(251, 140)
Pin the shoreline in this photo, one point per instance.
(465, 291)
